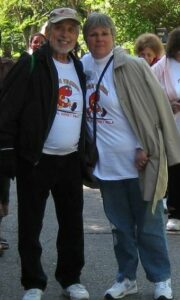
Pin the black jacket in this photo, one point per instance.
(28, 104)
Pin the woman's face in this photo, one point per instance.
(100, 41)
(148, 54)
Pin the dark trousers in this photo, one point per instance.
(173, 200)
(4, 196)
(4, 190)
(61, 176)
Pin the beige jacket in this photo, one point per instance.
(149, 113)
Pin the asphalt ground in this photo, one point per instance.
(100, 268)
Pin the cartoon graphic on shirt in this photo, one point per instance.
(100, 110)
(63, 100)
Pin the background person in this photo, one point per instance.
(167, 70)
(5, 66)
(150, 47)
(134, 141)
(42, 123)
(36, 41)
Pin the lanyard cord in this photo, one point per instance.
(96, 99)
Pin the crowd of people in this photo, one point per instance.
(128, 107)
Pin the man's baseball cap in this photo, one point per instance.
(60, 14)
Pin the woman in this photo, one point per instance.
(131, 144)
(150, 47)
(167, 71)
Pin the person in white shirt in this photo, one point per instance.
(42, 137)
(132, 136)
(167, 71)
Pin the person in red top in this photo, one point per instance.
(150, 47)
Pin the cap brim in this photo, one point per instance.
(59, 19)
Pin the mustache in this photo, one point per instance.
(62, 40)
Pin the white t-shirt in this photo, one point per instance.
(116, 140)
(64, 135)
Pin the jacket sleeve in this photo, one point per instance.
(12, 99)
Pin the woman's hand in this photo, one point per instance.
(175, 106)
(141, 159)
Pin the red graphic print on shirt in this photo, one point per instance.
(63, 100)
(99, 109)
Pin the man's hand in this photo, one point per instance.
(141, 159)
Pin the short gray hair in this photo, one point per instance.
(96, 19)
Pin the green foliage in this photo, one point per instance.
(134, 17)
(22, 18)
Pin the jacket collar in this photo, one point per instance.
(120, 57)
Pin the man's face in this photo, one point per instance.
(63, 36)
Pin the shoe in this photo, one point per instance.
(163, 290)
(76, 292)
(121, 289)
(33, 294)
(173, 225)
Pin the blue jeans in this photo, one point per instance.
(137, 232)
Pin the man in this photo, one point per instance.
(42, 127)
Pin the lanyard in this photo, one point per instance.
(96, 99)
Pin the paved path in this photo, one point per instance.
(99, 271)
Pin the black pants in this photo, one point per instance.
(62, 176)
(4, 196)
(173, 200)
(4, 190)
